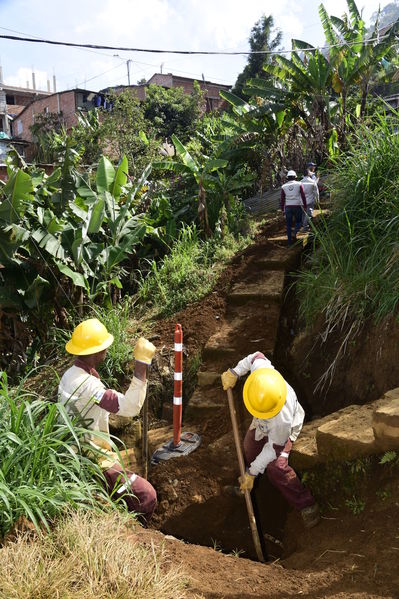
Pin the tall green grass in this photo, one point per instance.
(188, 272)
(353, 273)
(44, 461)
(354, 270)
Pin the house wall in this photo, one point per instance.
(64, 103)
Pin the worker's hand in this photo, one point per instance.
(229, 379)
(144, 351)
(282, 460)
(246, 482)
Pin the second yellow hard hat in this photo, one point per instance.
(265, 392)
(89, 337)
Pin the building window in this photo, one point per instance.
(10, 99)
(19, 127)
(46, 110)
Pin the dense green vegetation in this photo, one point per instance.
(352, 275)
(188, 272)
(45, 462)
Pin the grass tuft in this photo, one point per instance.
(352, 275)
(87, 555)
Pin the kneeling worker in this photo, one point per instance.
(277, 422)
(82, 392)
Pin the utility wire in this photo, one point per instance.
(37, 38)
(189, 52)
(100, 74)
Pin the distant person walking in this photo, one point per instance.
(311, 171)
(293, 203)
(312, 196)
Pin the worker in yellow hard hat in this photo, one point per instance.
(82, 392)
(277, 422)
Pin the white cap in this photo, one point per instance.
(291, 174)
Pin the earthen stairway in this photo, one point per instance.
(250, 324)
(193, 501)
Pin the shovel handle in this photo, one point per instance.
(247, 494)
(144, 446)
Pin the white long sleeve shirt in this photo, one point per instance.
(287, 424)
(311, 190)
(83, 393)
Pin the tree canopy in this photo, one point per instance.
(261, 39)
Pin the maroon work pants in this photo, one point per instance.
(138, 494)
(280, 474)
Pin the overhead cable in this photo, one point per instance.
(190, 52)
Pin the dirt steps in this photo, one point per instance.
(267, 288)
(249, 324)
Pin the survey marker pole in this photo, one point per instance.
(178, 385)
(247, 493)
(182, 443)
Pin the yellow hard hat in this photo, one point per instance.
(265, 392)
(89, 337)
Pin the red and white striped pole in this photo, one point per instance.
(178, 385)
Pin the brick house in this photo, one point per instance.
(66, 104)
(212, 99)
(13, 101)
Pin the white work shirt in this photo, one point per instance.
(311, 190)
(82, 392)
(287, 424)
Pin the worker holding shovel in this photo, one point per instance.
(83, 393)
(277, 422)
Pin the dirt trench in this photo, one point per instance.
(352, 553)
(195, 503)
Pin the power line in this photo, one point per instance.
(100, 74)
(37, 38)
(187, 52)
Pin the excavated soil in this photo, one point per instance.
(346, 555)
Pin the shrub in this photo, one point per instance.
(44, 462)
(188, 272)
(353, 273)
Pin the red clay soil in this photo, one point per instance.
(346, 555)
(367, 369)
(201, 319)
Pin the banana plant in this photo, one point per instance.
(355, 56)
(60, 225)
(203, 175)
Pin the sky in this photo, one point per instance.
(217, 25)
